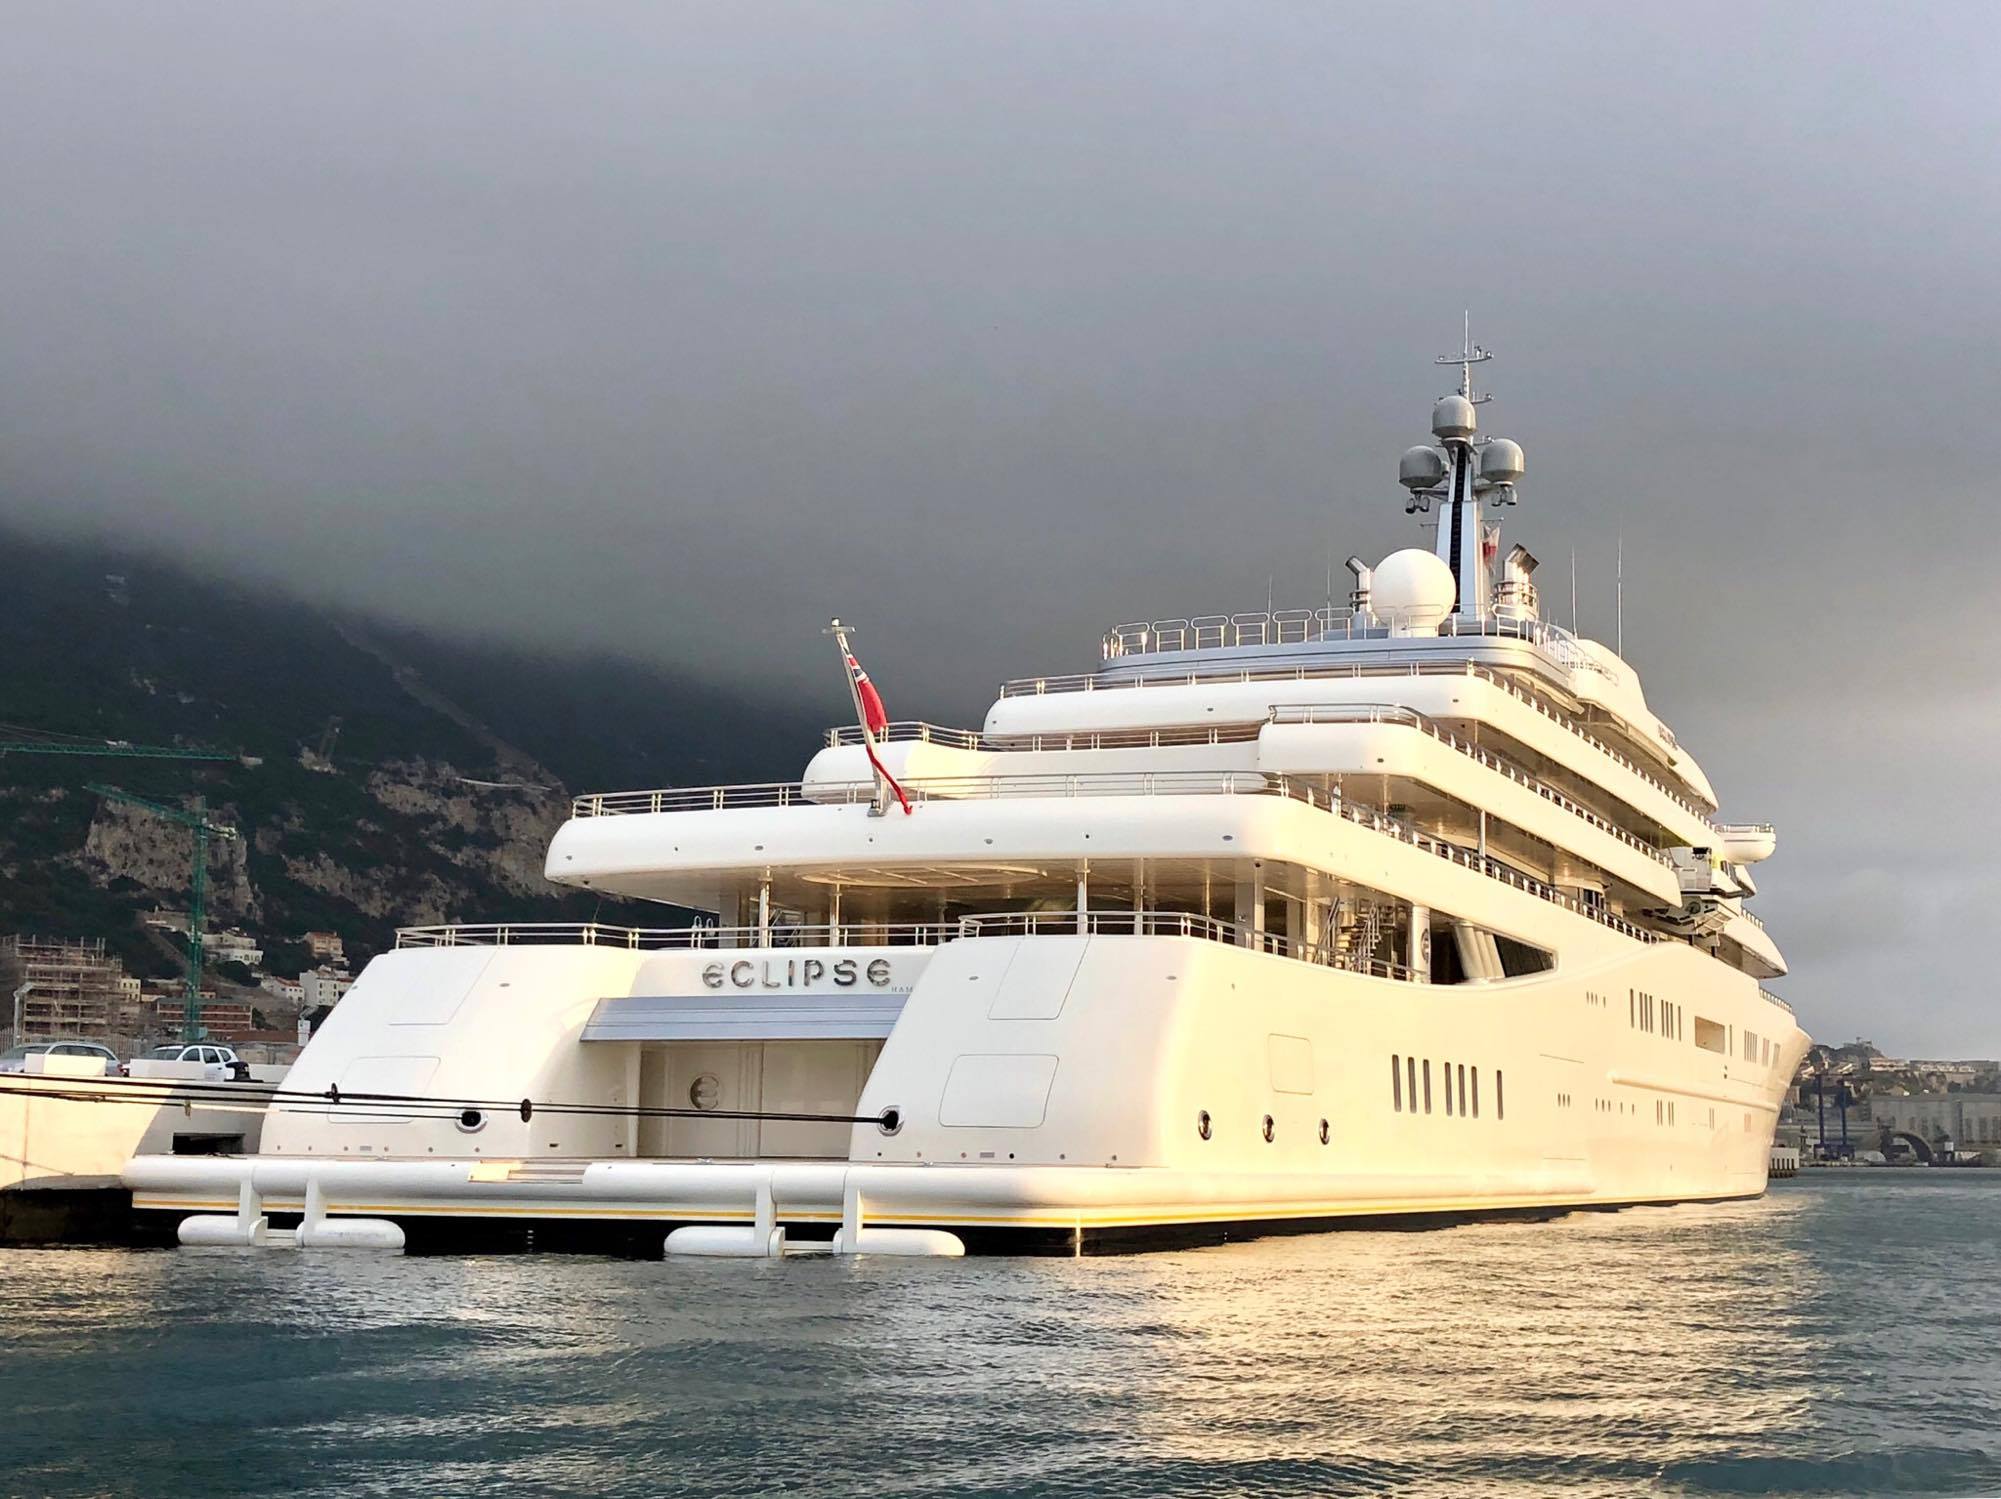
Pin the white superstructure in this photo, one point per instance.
(1413, 908)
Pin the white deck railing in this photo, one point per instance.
(946, 788)
(1209, 632)
(677, 938)
(915, 732)
(782, 937)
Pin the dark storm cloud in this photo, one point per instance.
(674, 328)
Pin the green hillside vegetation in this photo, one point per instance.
(166, 657)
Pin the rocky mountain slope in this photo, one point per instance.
(386, 778)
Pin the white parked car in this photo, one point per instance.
(15, 1058)
(202, 1051)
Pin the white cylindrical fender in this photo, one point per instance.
(214, 1228)
(914, 1241)
(351, 1233)
(724, 1242)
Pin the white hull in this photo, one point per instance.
(1059, 1101)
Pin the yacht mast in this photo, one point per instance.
(1463, 474)
(1461, 521)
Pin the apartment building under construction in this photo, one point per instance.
(71, 988)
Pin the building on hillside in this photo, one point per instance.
(233, 946)
(1964, 1071)
(164, 920)
(287, 991)
(222, 1019)
(267, 1047)
(326, 947)
(71, 989)
(323, 987)
(1969, 1120)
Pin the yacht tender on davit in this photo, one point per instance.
(1273, 919)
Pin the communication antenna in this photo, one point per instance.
(1573, 590)
(1469, 355)
(1619, 601)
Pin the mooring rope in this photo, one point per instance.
(169, 1092)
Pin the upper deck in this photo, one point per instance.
(1588, 682)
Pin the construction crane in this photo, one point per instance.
(196, 821)
(23, 741)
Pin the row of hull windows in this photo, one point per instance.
(1657, 1017)
(1410, 1088)
(1664, 1018)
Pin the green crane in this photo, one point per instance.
(15, 739)
(196, 821)
(114, 748)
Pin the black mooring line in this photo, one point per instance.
(166, 1092)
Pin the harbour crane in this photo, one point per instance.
(196, 820)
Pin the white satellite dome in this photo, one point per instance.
(1412, 591)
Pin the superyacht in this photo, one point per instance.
(1272, 921)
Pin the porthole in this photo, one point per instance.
(470, 1121)
(1325, 1132)
(1202, 1124)
(1271, 1129)
(706, 1091)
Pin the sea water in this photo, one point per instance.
(1841, 1335)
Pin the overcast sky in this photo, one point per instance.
(674, 328)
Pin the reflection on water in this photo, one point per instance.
(1836, 1336)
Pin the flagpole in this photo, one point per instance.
(879, 803)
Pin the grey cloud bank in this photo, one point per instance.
(672, 329)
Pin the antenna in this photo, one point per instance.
(1619, 596)
(1469, 355)
(1573, 590)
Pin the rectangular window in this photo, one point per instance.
(1462, 1087)
(1659, 1112)
(1447, 1080)
(1476, 1092)
(1427, 1085)
(1632, 1009)
(1410, 1078)
(1396, 1084)
(1710, 1036)
(1500, 1099)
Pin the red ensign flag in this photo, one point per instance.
(874, 721)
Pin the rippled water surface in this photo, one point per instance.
(1841, 1335)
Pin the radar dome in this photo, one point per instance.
(1412, 591)
(1500, 462)
(1453, 417)
(1421, 468)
